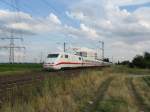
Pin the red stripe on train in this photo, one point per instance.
(67, 63)
(71, 63)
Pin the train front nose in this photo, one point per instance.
(50, 62)
(49, 65)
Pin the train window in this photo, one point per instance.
(66, 56)
(79, 58)
(52, 55)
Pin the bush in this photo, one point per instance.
(142, 61)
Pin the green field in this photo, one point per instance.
(13, 69)
(113, 89)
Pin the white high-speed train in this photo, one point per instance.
(58, 61)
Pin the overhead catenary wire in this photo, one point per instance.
(51, 7)
(39, 20)
(17, 9)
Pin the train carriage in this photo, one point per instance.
(62, 60)
(58, 61)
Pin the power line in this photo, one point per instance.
(43, 1)
(48, 4)
(37, 11)
(64, 46)
(12, 38)
(12, 47)
(15, 7)
(7, 3)
(33, 11)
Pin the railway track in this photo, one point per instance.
(100, 95)
(7, 83)
(137, 97)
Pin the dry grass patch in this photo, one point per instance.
(58, 94)
(143, 89)
(118, 96)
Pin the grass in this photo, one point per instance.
(56, 94)
(143, 89)
(147, 80)
(63, 94)
(118, 98)
(127, 70)
(111, 105)
(13, 69)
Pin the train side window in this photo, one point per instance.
(66, 56)
(79, 58)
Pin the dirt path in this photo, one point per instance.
(100, 95)
(137, 97)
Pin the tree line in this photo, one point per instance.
(140, 61)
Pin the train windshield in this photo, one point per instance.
(52, 55)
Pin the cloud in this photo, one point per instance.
(121, 48)
(83, 32)
(108, 20)
(89, 31)
(127, 2)
(3, 54)
(26, 24)
(125, 33)
(85, 49)
(9, 16)
(53, 18)
(75, 15)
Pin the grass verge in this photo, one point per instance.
(56, 94)
(74, 94)
(13, 69)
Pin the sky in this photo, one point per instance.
(124, 26)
